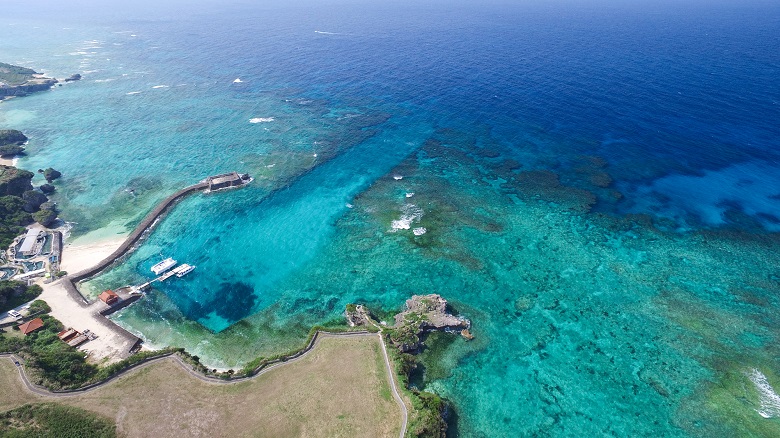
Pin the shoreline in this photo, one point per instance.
(85, 251)
(9, 161)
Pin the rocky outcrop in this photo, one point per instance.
(434, 309)
(12, 137)
(73, 78)
(424, 313)
(27, 88)
(51, 174)
(21, 81)
(357, 315)
(14, 181)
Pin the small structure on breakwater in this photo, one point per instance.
(227, 180)
(109, 297)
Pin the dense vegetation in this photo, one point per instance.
(49, 360)
(428, 418)
(14, 182)
(53, 420)
(15, 75)
(20, 204)
(13, 218)
(15, 293)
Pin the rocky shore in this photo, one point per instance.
(421, 314)
(18, 81)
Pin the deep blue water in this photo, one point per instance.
(589, 319)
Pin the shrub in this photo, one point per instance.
(54, 420)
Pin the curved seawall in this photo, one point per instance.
(145, 225)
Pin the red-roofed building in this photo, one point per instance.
(109, 297)
(31, 326)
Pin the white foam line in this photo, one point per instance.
(768, 398)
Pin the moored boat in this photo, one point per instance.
(183, 270)
(163, 266)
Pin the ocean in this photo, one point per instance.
(596, 185)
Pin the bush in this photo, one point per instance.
(55, 421)
(39, 306)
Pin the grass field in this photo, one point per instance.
(338, 389)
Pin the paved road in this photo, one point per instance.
(39, 390)
(396, 395)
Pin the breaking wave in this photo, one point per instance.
(767, 397)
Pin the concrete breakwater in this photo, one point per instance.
(143, 227)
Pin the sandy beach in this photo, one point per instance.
(8, 161)
(85, 251)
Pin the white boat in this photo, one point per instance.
(183, 270)
(163, 266)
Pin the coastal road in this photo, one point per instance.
(396, 395)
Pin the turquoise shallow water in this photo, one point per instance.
(595, 192)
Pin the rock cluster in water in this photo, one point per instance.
(422, 313)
